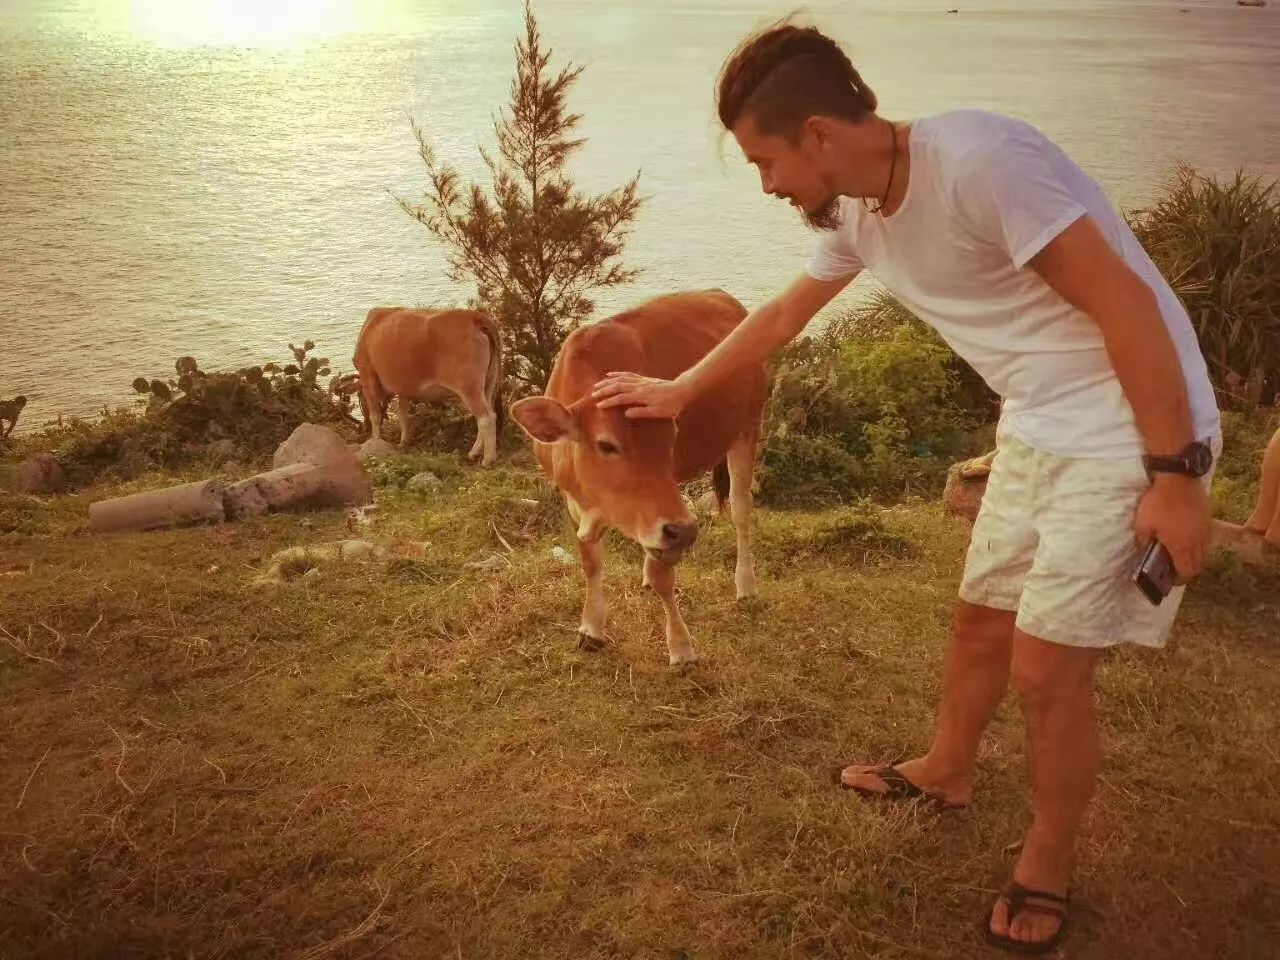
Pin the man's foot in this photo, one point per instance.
(1032, 914)
(906, 781)
(1039, 920)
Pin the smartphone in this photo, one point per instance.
(1155, 575)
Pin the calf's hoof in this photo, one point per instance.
(589, 644)
(683, 660)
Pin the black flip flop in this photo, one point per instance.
(899, 789)
(1017, 896)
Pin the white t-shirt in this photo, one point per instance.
(986, 193)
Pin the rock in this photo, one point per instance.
(375, 447)
(40, 474)
(338, 481)
(562, 556)
(201, 500)
(966, 485)
(424, 481)
(317, 445)
(294, 562)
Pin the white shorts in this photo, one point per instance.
(1054, 541)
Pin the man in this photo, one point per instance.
(992, 235)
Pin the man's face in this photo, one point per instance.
(792, 171)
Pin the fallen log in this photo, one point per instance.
(189, 503)
(314, 467)
(1249, 545)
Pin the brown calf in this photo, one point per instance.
(623, 473)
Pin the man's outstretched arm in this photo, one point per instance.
(764, 330)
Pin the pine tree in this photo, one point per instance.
(536, 247)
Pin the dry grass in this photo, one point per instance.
(411, 760)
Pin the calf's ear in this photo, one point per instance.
(545, 419)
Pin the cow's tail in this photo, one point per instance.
(368, 387)
(493, 375)
(720, 484)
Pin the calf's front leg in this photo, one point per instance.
(662, 578)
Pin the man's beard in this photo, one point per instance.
(826, 217)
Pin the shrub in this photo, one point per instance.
(1218, 245)
(536, 246)
(874, 405)
(254, 409)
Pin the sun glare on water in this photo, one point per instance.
(240, 23)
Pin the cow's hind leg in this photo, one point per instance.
(662, 578)
(373, 403)
(742, 463)
(404, 410)
(486, 426)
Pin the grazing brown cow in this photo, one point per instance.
(424, 355)
(622, 473)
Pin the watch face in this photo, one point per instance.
(1200, 458)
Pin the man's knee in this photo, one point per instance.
(1044, 674)
(982, 629)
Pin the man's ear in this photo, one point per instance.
(545, 419)
(819, 130)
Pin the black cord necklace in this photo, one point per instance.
(893, 165)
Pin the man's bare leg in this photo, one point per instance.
(975, 677)
(1055, 688)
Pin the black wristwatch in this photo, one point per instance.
(1194, 461)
